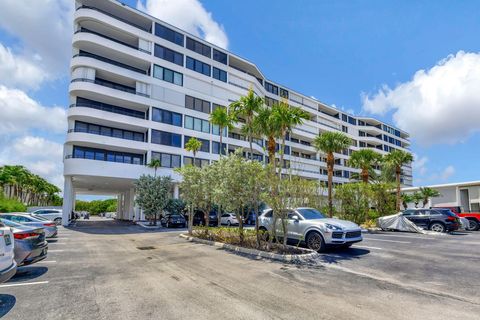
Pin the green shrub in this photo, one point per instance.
(11, 205)
(354, 199)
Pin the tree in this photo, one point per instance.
(396, 159)
(354, 201)
(192, 190)
(286, 118)
(330, 142)
(417, 197)
(366, 160)
(247, 107)
(265, 124)
(153, 194)
(382, 199)
(406, 199)
(175, 206)
(222, 119)
(154, 164)
(193, 145)
(428, 193)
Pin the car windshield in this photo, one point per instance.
(310, 213)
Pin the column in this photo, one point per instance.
(68, 199)
(176, 191)
(131, 203)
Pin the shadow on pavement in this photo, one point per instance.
(28, 273)
(109, 226)
(7, 302)
(336, 255)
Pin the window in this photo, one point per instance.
(271, 88)
(168, 117)
(270, 101)
(167, 75)
(205, 144)
(198, 47)
(168, 54)
(197, 124)
(107, 131)
(216, 130)
(167, 160)
(219, 74)
(283, 93)
(197, 104)
(107, 155)
(345, 129)
(219, 56)
(198, 66)
(198, 162)
(352, 120)
(168, 34)
(166, 138)
(216, 148)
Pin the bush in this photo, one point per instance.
(11, 205)
(354, 201)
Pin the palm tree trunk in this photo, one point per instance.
(271, 152)
(282, 154)
(365, 175)
(397, 177)
(221, 144)
(330, 163)
(251, 147)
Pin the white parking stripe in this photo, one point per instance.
(48, 261)
(22, 284)
(365, 247)
(55, 250)
(373, 239)
(50, 243)
(402, 236)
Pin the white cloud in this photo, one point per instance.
(39, 155)
(20, 113)
(44, 30)
(189, 15)
(16, 71)
(439, 105)
(447, 173)
(420, 164)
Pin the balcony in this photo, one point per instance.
(110, 61)
(85, 30)
(107, 13)
(112, 85)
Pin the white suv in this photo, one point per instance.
(8, 266)
(54, 215)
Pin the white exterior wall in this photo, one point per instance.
(171, 97)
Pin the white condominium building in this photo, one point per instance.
(140, 88)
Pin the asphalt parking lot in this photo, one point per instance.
(113, 270)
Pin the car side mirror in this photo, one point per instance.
(295, 218)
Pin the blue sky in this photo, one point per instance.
(364, 57)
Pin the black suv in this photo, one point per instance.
(439, 220)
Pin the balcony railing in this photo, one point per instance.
(110, 61)
(85, 30)
(149, 30)
(112, 85)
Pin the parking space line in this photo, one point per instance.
(404, 236)
(55, 250)
(22, 284)
(48, 261)
(385, 240)
(366, 247)
(50, 243)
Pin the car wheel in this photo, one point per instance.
(315, 241)
(437, 227)
(473, 225)
(58, 221)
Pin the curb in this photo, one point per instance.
(149, 227)
(254, 253)
(371, 230)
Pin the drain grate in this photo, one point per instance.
(145, 248)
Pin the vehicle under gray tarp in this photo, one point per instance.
(398, 222)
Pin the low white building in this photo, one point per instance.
(464, 194)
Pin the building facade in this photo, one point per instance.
(140, 88)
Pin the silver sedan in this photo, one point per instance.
(50, 227)
(308, 225)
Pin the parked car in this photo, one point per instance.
(438, 220)
(30, 244)
(54, 215)
(311, 227)
(473, 217)
(8, 265)
(28, 220)
(199, 218)
(229, 219)
(173, 220)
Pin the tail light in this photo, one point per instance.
(24, 235)
(49, 224)
(449, 218)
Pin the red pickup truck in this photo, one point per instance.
(473, 217)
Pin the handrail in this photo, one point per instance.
(110, 61)
(111, 85)
(149, 30)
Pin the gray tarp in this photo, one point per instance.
(397, 222)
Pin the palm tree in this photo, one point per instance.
(417, 197)
(428, 193)
(193, 145)
(406, 199)
(396, 159)
(222, 119)
(286, 118)
(365, 159)
(154, 164)
(247, 107)
(264, 124)
(330, 142)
